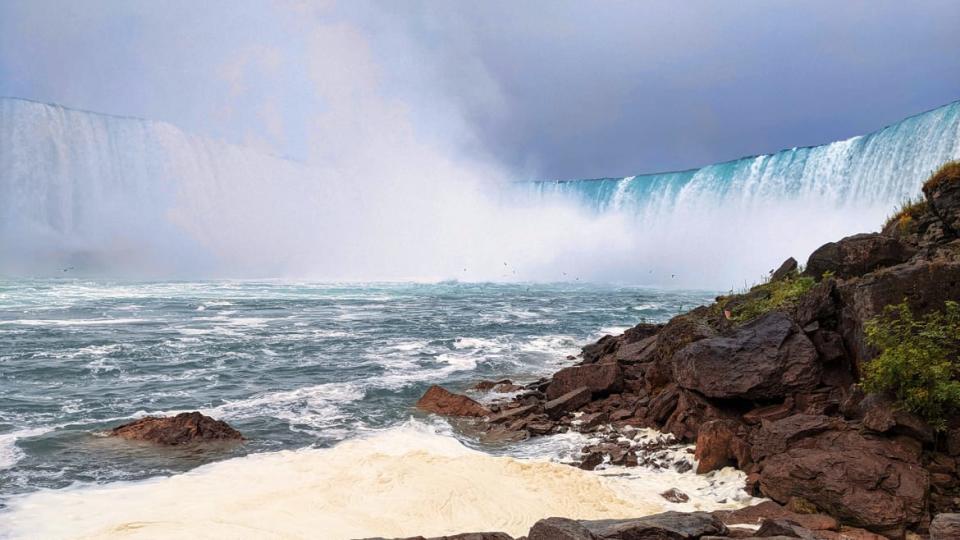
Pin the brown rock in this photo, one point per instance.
(557, 528)
(484, 386)
(783, 527)
(591, 420)
(592, 461)
(691, 412)
(769, 413)
(766, 358)
(440, 401)
(602, 379)
(668, 525)
(674, 495)
(183, 428)
(568, 402)
(865, 481)
(510, 415)
(775, 437)
(945, 527)
(857, 255)
(943, 195)
(719, 445)
(786, 269)
(754, 515)
(882, 415)
(677, 334)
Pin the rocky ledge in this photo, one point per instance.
(184, 428)
(771, 387)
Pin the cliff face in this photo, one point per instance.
(767, 380)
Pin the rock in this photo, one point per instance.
(953, 442)
(558, 528)
(591, 420)
(602, 379)
(945, 527)
(777, 436)
(603, 347)
(857, 255)
(783, 527)
(820, 303)
(638, 352)
(506, 387)
(786, 269)
(592, 461)
(485, 386)
(668, 525)
(882, 415)
(568, 402)
(677, 334)
(691, 412)
(719, 445)
(943, 194)
(183, 428)
(510, 415)
(674, 495)
(440, 401)
(754, 515)
(766, 358)
(663, 404)
(865, 481)
(769, 413)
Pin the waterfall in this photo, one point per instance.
(117, 196)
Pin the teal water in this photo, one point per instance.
(291, 365)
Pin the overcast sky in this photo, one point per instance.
(543, 89)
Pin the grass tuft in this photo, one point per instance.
(948, 172)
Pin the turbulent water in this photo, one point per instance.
(290, 365)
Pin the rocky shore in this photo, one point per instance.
(768, 381)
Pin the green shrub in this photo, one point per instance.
(768, 296)
(918, 360)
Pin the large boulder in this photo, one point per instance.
(856, 255)
(668, 525)
(602, 379)
(441, 401)
(766, 358)
(568, 402)
(721, 443)
(675, 335)
(184, 428)
(558, 528)
(866, 481)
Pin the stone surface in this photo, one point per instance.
(720, 445)
(668, 525)
(944, 199)
(568, 402)
(868, 482)
(856, 255)
(766, 358)
(754, 515)
(785, 270)
(557, 528)
(674, 495)
(945, 527)
(183, 428)
(440, 401)
(602, 378)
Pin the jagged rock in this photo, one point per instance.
(691, 412)
(856, 255)
(754, 515)
(943, 195)
(183, 428)
(769, 412)
(766, 358)
(592, 461)
(484, 386)
(638, 352)
(558, 528)
(510, 415)
(568, 402)
(675, 335)
(882, 415)
(821, 304)
(945, 527)
(674, 495)
(601, 379)
(866, 481)
(718, 445)
(591, 420)
(440, 401)
(786, 269)
(663, 404)
(596, 351)
(668, 525)
(774, 437)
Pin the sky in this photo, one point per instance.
(538, 89)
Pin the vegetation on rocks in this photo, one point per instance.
(908, 213)
(766, 297)
(918, 360)
(948, 172)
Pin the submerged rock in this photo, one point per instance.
(441, 401)
(183, 428)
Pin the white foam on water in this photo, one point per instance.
(9, 453)
(405, 481)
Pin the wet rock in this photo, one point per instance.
(557, 528)
(443, 402)
(756, 514)
(663, 404)
(857, 255)
(184, 428)
(592, 461)
(786, 269)
(602, 379)
(510, 415)
(484, 386)
(542, 427)
(945, 527)
(783, 527)
(591, 420)
(766, 358)
(600, 349)
(674, 495)
(769, 413)
(691, 412)
(668, 525)
(867, 482)
(719, 444)
(568, 402)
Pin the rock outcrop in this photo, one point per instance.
(184, 428)
(440, 401)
